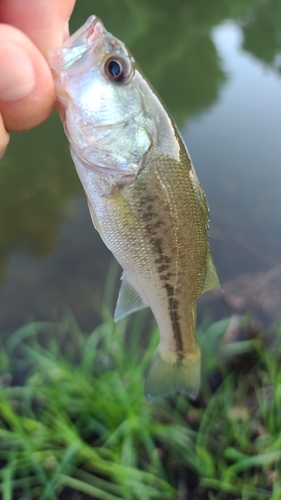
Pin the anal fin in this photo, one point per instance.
(211, 278)
(128, 300)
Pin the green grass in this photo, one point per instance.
(78, 418)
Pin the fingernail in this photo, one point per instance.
(17, 79)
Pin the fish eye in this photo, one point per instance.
(116, 69)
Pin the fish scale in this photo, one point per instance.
(143, 194)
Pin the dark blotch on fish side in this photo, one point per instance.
(163, 267)
(169, 289)
(173, 310)
(158, 224)
(147, 214)
(166, 277)
(163, 258)
(157, 244)
(150, 199)
(151, 229)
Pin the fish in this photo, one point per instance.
(144, 197)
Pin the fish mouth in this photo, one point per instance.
(87, 34)
(84, 39)
(60, 60)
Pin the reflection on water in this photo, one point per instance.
(236, 148)
(221, 81)
(263, 33)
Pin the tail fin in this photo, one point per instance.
(165, 376)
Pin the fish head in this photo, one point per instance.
(100, 94)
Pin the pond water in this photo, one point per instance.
(218, 69)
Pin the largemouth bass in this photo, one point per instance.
(143, 194)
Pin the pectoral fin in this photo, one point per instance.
(94, 218)
(211, 278)
(128, 301)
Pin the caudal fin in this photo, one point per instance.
(165, 377)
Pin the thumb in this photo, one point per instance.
(26, 85)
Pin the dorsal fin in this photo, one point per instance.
(128, 300)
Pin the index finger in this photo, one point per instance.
(43, 21)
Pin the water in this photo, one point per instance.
(236, 148)
(218, 69)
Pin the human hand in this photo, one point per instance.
(30, 29)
